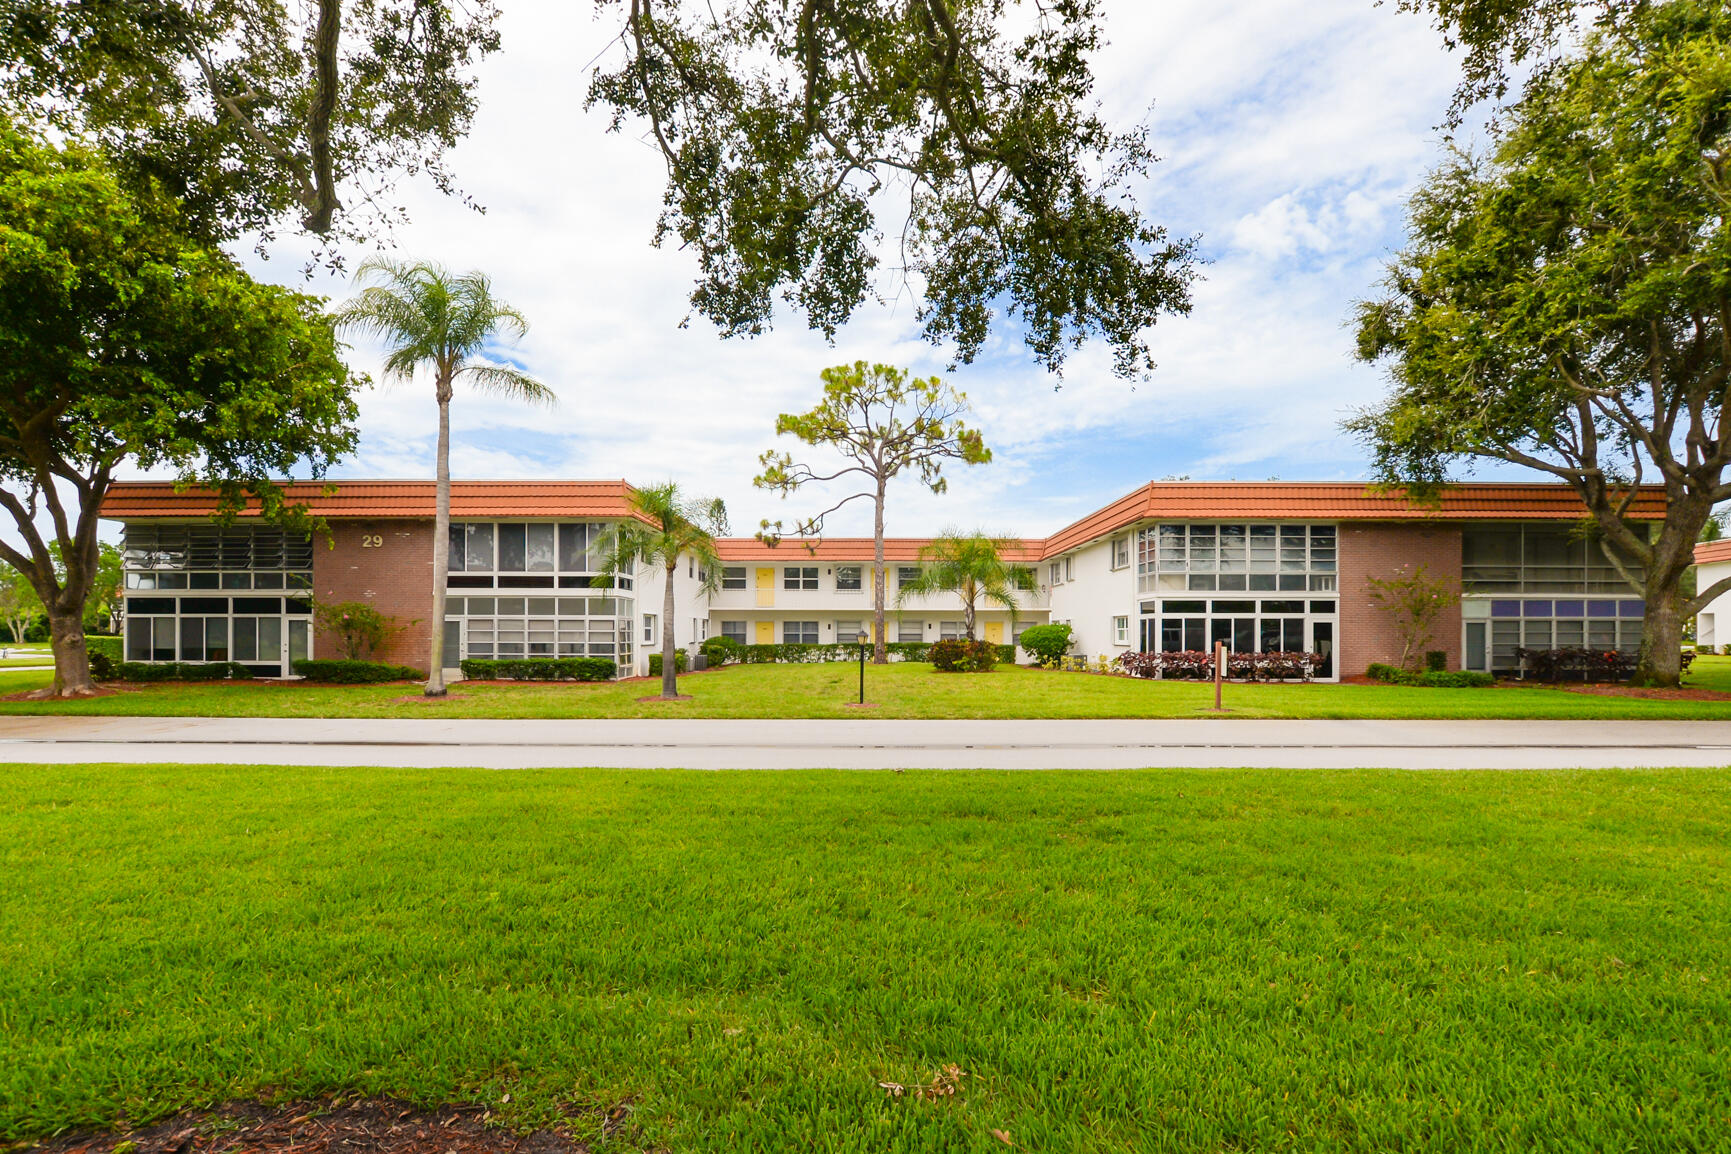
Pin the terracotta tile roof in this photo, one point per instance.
(1157, 500)
(799, 550)
(1330, 501)
(1709, 551)
(141, 499)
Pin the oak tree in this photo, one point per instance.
(122, 341)
(797, 134)
(881, 422)
(1564, 303)
(253, 112)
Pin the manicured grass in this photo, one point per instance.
(1170, 960)
(899, 691)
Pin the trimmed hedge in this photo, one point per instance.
(679, 663)
(906, 650)
(103, 669)
(104, 644)
(357, 672)
(1046, 642)
(1435, 661)
(541, 669)
(963, 656)
(720, 650)
(1430, 679)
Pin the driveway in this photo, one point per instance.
(866, 744)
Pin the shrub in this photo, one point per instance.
(542, 669)
(345, 672)
(1435, 660)
(678, 663)
(167, 671)
(1430, 679)
(358, 626)
(1198, 663)
(720, 650)
(1459, 679)
(963, 656)
(108, 646)
(1046, 642)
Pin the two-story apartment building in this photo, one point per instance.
(1170, 566)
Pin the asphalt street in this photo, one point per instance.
(869, 744)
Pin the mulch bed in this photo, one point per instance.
(364, 1126)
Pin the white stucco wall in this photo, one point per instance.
(1093, 595)
(1713, 623)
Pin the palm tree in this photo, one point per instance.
(971, 566)
(434, 319)
(666, 525)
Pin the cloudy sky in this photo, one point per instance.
(1291, 131)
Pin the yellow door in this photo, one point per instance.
(765, 589)
(766, 633)
(995, 632)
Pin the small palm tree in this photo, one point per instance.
(666, 526)
(436, 320)
(972, 566)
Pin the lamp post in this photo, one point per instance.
(862, 639)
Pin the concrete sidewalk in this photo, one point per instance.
(869, 744)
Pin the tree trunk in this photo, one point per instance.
(880, 648)
(441, 546)
(1659, 662)
(71, 660)
(669, 662)
(969, 594)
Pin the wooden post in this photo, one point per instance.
(1219, 671)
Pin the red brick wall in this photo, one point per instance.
(396, 577)
(1375, 549)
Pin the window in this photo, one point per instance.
(847, 632)
(847, 578)
(1054, 573)
(1536, 559)
(799, 577)
(648, 628)
(1234, 558)
(799, 633)
(1121, 628)
(905, 574)
(1121, 553)
(951, 630)
(1069, 568)
(734, 630)
(910, 631)
(733, 577)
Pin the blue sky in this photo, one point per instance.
(1291, 131)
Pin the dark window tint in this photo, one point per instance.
(572, 543)
(513, 548)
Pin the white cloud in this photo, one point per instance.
(1290, 133)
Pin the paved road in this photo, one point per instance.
(864, 744)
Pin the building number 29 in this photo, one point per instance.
(371, 541)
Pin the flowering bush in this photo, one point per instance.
(963, 656)
(1198, 663)
(1577, 663)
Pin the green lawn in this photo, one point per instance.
(1163, 960)
(900, 691)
